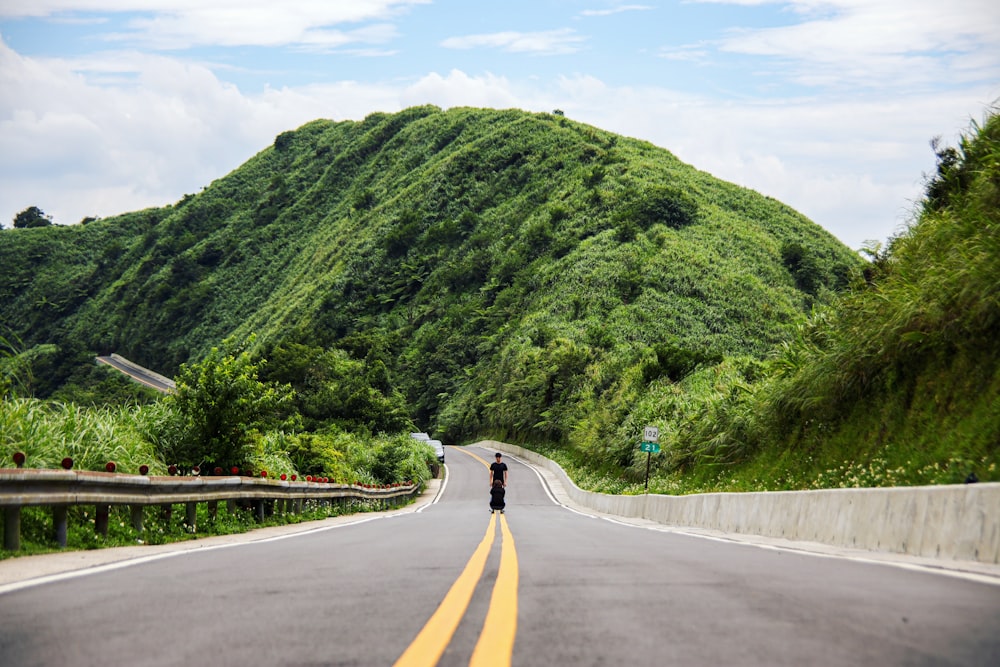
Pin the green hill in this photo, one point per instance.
(506, 273)
(444, 242)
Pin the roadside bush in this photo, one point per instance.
(321, 454)
(221, 408)
(401, 458)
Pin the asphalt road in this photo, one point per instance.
(553, 587)
(140, 374)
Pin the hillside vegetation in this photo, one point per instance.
(896, 382)
(521, 276)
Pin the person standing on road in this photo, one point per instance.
(498, 472)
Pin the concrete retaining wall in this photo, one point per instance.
(952, 522)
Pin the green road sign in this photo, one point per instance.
(650, 447)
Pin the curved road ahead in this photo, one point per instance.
(552, 586)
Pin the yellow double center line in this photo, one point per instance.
(496, 641)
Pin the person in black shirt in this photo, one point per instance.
(498, 471)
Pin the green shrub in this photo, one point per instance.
(221, 407)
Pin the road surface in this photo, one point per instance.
(550, 585)
(139, 374)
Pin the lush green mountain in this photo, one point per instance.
(509, 273)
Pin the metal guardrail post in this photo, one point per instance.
(58, 489)
(136, 511)
(101, 514)
(59, 520)
(191, 516)
(12, 528)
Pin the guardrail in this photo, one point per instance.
(60, 489)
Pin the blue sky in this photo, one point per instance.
(108, 106)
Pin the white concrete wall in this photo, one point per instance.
(952, 522)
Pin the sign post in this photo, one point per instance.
(650, 438)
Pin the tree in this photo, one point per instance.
(332, 387)
(222, 404)
(18, 366)
(32, 217)
(802, 264)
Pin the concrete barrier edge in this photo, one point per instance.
(948, 522)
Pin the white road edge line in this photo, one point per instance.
(437, 496)
(916, 567)
(108, 567)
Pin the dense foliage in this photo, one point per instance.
(132, 436)
(909, 360)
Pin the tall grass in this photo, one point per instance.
(47, 432)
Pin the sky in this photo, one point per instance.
(829, 106)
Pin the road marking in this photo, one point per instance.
(478, 458)
(496, 642)
(495, 646)
(440, 492)
(430, 643)
(981, 578)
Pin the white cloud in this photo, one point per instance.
(615, 10)
(549, 42)
(878, 42)
(177, 24)
(121, 131)
(460, 89)
(693, 53)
